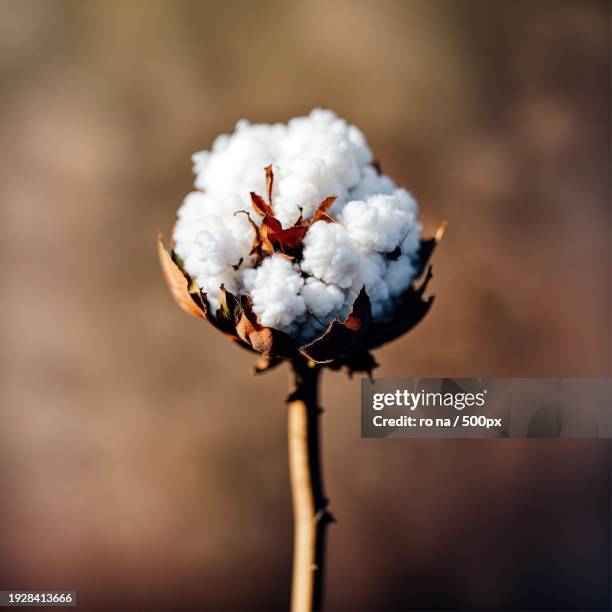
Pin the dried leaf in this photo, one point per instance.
(321, 212)
(260, 206)
(183, 290)
(411, 310)
(342, 338)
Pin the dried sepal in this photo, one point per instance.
(266, 340)
(260, 206)
(321, 212)
(183, 290)
(342, 338)
(269, 183)
(411, 309)
(271, 237)
(276, 239)
(228, 313)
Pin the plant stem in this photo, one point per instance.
(310, 513)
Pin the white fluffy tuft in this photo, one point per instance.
(274, 288)
(329, 254)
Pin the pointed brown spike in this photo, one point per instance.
(269, 183)
(341, 339)
(426, 249)
(179, 283)
(260, 206)
(441, 231)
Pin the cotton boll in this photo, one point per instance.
(312, 157)
(330, 254)
(321, 299)
(274, 288)
(378, 223)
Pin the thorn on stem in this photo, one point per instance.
(324, 516)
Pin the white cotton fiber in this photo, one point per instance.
(274, 288)
(372, 241)
(322, 299)
(399, 275)
(329, 254)
(378, 223)
(371, 182)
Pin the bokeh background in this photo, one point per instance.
(140, 463)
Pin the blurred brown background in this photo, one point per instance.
(140, 463)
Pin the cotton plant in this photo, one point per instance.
(297, 247)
